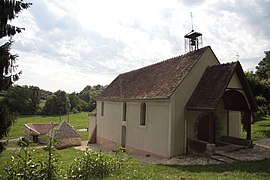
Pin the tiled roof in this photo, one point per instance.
(64, 130)
(213, 84)
(152, 82)
(39, 128)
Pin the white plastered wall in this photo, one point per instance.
(109, 125)
(179, 124)
(153, 137)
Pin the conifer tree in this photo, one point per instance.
(9, 9)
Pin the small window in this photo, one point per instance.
(143, 114)
(102, 108)
(124, 111)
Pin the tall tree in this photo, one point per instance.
(263, 68)
(57, 104)
(75, 102)
(9, 10)
(34, 98)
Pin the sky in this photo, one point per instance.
(69, 44)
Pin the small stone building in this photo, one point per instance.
(63, 132)
(38, 132)
(66, 135)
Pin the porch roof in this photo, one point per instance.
(213, 84)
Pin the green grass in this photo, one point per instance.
(138, 170)
(78, 121)
(238, 170)
(261, 129)
(84, 135)
(66, 157)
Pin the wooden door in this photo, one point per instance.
(206, 129)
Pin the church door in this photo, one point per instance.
(206, 128)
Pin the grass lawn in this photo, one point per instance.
(78, 121)
(138, 170)
(66, 157)
(261, 129)
(239, 170)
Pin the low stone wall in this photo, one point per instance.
(67, 142)
(202, 147)
(237, 141)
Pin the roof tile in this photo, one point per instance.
(152, 82)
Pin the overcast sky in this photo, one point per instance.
(69, 44)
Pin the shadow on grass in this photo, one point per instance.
(264, 125)
(266, 133)
(259, 166)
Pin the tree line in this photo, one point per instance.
(31, 100)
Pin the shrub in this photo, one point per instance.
(23, 165)
(26, 164)
(95, 165)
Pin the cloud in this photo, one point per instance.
(97, 40)
(191, 2)
(254, 15)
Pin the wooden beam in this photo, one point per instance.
(228, 123)
(248, 125)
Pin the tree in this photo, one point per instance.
(23, 99)
(34, 98)
(57, 104)
(75, 102)
(17, 99)
(260, 84)
(8, 11)
(89, 95)
(263, 68)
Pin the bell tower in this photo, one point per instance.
(193, 39)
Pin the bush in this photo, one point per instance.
(27, 164)
(23, 165)
(95, 165)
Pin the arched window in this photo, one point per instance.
(102, 108)
(124, 111)
(143, 114)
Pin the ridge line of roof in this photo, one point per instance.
(163, 61)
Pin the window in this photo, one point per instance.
(143, 114)
(124, 111)
(102, 108)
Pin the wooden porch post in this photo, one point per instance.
(210, 133)
(228, 122)
(248, 125)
